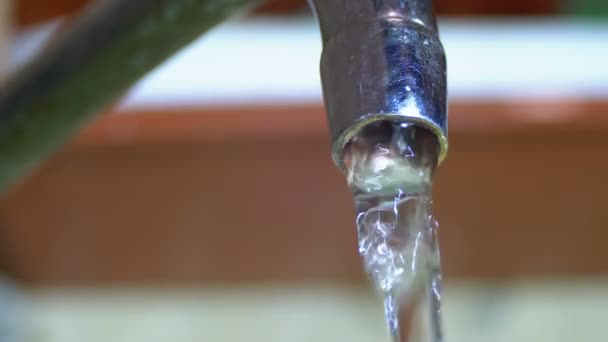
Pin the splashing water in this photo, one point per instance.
(389, 169)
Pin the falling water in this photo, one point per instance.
(389, 169)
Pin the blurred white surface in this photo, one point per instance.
(12, 312)
(276, 61)
(534, 312)
(269, 61)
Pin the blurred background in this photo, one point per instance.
(205, 207)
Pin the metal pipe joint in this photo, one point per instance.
(382, 60)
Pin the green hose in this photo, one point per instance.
(90, 65)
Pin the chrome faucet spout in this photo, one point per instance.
(381, 60)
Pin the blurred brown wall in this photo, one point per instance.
(33, 11)
(216, 196)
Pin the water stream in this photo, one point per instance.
(389, 169)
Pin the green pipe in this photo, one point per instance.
(103, 53)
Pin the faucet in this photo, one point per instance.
(382, 61)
